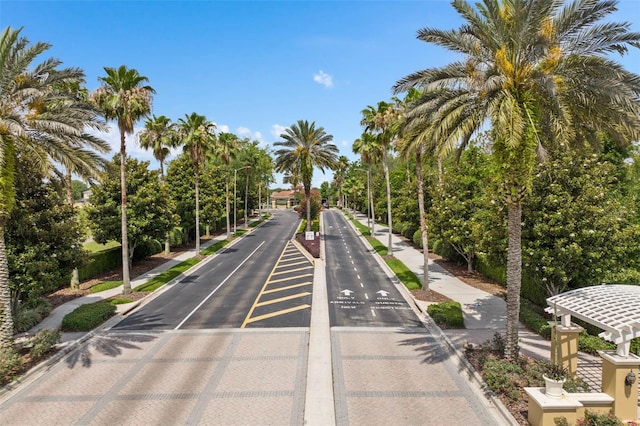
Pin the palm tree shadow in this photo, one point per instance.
(111, 345)
(430, 350)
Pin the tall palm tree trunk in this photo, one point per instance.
(126, 281)
(423, 224)
(197, 179)
(246, 201)
(514, 278)
(386, 178)
(6, 317)
(167, 237)
(307, 195)
(369, 206)
(75, 278)
(226, 192)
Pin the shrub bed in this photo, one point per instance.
(88, 317)
(447, 314)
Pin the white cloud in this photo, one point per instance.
(323, 78)
(223, 128)
(277, 130)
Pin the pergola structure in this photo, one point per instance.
(612, 308)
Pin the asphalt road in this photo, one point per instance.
(359, 291)
(243, 286)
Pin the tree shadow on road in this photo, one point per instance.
(111, 345)
(429, 349)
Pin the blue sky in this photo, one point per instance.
(253, 67)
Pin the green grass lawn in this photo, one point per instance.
(167, 275)
(95, 247)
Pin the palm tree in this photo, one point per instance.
(305, 147)
(535, 72)
(159, 136)
(197, 134)
(381, 119)
(339, 175)
(38, 116)
(125, 99)
(226, 147)
(369, 150)
(412, 145)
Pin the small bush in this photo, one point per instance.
(409, 230)
(31, 313)
(447, 314)
(593, 344)
(595, 419)
(87, 317)
(43, 342)
(417, 238)
(11, 364)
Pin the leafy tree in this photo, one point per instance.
(537, 73)
(38, 116)
(77, 188)
(147, 206)
(197, 136)
(575, 223)
(458, 210)
(43, 241)
(305, 147)
(125, 99)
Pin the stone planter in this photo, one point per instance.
(553, 388)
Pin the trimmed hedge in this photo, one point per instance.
(87, 317)
(101, 261)
(447, 314)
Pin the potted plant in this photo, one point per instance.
(555, 374)
(554, 377)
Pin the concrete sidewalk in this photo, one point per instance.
(484, 314)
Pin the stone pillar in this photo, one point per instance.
(564, 345)
(614, 371)
(288, 204)
(273, 203)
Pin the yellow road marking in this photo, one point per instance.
(290, 278)
(282, 299)
(275, 314)
(291, 270)
(268, 281)
(275, 290)
(295, 263)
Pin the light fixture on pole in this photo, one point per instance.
(235, 174)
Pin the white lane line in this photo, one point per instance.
(358, 275)
(366, 296)
(373, 312)
(355, 269)
(216, 289)
(361, 285)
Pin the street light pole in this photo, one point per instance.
(235, 174)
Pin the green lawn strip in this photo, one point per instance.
(404, 274)
(380, 248)
(119, 301)
(106, 285)
(167, 275)
(94, 247)
(239, 233)
(214, 247)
